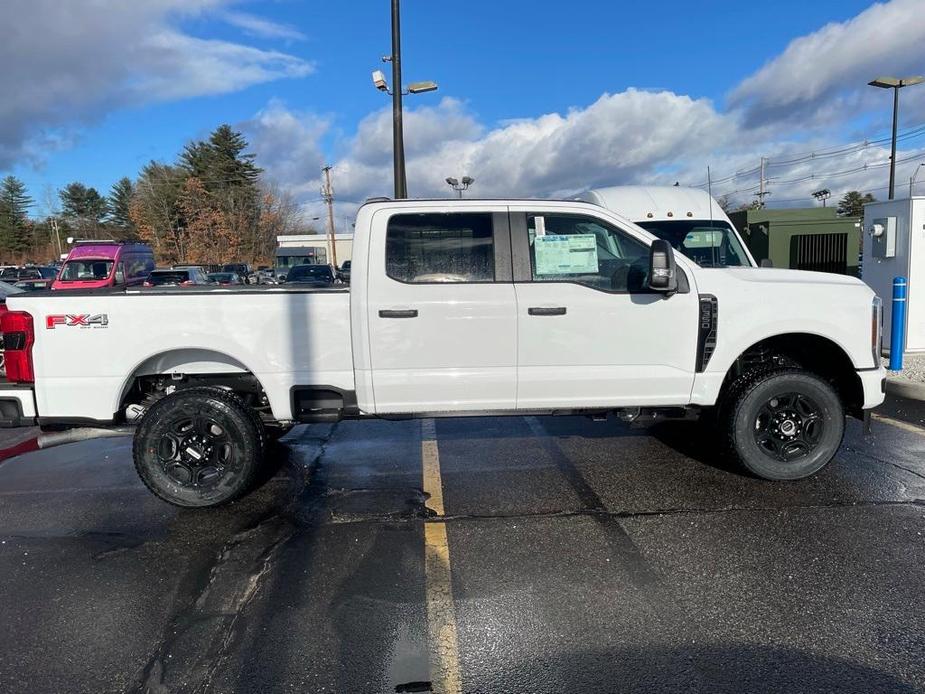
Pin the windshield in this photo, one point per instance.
(309, 272)
(709, 244)
(76, 270)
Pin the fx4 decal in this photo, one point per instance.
(80, 320)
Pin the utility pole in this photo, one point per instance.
(761, 183)
(398, 135)
(327, 194)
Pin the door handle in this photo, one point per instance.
(399, 313)
(546, 310)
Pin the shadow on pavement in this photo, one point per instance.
(734, 668)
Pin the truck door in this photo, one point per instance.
(441, 310)
(590, 332)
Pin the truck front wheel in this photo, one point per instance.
(784, 424)
(199, 447)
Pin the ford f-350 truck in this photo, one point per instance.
(460, 307)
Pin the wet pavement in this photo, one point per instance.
(565, 556)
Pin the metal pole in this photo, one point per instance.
(898, 324)
(893, 144)
(398, 137)
(329, 199)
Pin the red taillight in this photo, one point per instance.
(18, 338)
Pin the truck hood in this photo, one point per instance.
(766, 275)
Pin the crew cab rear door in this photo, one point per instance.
(590, 332)
(441, 309)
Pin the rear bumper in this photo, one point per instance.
(17, 406)
(873, 381)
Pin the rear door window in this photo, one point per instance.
(440, 248)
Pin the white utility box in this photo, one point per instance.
(894, 246)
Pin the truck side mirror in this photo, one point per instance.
(663, 273)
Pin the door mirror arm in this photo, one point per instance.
(663, 272)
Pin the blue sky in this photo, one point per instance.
(295, 76)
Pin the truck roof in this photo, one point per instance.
(656, 202)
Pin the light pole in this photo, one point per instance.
(398, 135)
(895, 83)
(912, 179)
(822, 195)
(460, 187)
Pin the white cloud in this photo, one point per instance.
(630, 137)
(253, 25)
(69, 63)
(823, 76)
(286, 145)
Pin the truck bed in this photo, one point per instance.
(90, 345)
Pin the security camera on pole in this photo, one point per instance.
(379, 80)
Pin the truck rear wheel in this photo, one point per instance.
(199, 447)
(784, 424)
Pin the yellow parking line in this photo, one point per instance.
(441, 614)
(899, 424)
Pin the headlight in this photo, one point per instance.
(876, 328)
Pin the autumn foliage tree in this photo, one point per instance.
(211, 207)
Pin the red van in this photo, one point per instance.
(97, 264)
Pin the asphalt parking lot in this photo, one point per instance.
(472, 555)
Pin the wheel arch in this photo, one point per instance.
(816, 353)
(184, 360)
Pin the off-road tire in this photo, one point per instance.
(772, 414)
(199, 447)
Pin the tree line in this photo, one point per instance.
(212, 205)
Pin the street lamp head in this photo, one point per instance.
(379, 81)
(452, 181)
(422, 87)
(468, 180)
(896, 82)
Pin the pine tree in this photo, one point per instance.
(120, 200)
(852, 205)
(221, 162)
(15, 228)
(83, 207)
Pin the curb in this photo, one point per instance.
(904, 388)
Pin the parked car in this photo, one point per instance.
(462, 307)
(225, 278)
(6, 290)
(311, 275)
(344, 273)
(241, 269)
(34, 284)
(265, 275)
(183, 277)
(100, 264)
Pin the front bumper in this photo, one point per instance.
(873, 381)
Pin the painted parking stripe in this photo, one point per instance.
(441, 614)
(899, 424)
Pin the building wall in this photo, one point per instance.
(343, 243)
(772, 234)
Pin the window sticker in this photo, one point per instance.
(566, 254)
(540, 224)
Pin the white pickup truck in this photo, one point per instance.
(463, 307)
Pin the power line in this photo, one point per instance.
(802, 157)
